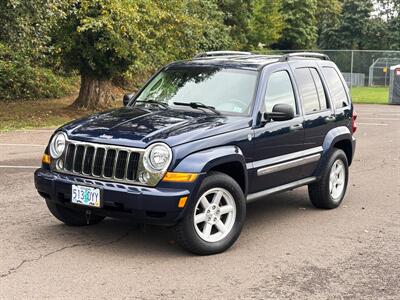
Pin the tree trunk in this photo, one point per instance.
(94, 93)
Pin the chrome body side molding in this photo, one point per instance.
(283, 158)
(288, 164)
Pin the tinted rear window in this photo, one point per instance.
(336, 87)
(308, 92)
(320, 89)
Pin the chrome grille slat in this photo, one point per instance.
(83, 159)
(115, 163)
(73, 160)
(94, 158)
(104, 162)
(115, 158)
(126, 165)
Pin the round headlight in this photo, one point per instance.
(157, 157)
(57, 145)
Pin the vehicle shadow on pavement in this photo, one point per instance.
(118, 237)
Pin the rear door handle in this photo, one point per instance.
(296, 127)
(330, 118)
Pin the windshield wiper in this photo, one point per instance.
(151, 101)
(198, 105)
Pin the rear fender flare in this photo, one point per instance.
(334, 135)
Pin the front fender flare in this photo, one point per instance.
(205, 160)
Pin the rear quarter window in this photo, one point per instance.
(336, 87)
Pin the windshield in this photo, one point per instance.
(227, 90)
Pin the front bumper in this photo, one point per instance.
(142, 204)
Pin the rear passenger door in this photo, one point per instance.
(338, 91)
(319, 117)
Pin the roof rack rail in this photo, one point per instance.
(221, 53)
(286, 57)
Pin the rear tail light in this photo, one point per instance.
(353, 121)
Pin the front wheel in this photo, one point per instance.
(215, 218)
(329, 191)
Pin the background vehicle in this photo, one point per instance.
(200, 140)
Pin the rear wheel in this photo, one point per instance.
(329, 191)
(72, 217)
(215, 218)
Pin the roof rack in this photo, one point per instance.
(286, 57)
(221, 53)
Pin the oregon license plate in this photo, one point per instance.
(85, 195)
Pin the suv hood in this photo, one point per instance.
(139, 126)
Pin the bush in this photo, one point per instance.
(20, 80)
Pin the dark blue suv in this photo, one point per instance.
(200, 140)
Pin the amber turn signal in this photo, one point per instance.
(182, 202)
(46, 159)
(180, 177)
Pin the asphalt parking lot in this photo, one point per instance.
(287, 249)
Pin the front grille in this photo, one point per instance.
(96, 160)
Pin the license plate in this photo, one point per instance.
(85, 195)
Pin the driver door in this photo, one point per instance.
(277, 142)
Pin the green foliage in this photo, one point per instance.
(266, 23)
(20, 80)
(353, 28)
(126, 40)
(328, 19)
(300, 24)
(104, 38)
(26, 25)
(236, 16)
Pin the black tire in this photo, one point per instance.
(186, 234)
(72, 217)
(319, 193)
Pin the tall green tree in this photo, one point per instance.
(26, 26)
(328, 20)
(389, 14)
(236, 16)
(354, 23)
(266, 23)
(104, 38)
(300, 24)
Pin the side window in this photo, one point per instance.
(335, 85)
(279, 91)
(320, 89)
(308, 90)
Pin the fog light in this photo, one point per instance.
(60, 164)
(144, 177)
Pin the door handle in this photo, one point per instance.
(330, 118)
(296, 127)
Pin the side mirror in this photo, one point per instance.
(127, 98)
(280, 112)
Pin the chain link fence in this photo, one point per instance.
(359, 67)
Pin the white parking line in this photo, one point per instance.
(373, 124)
(19, 167)
(383, 114)
(34, 130)
(33, 145)
(386, 119)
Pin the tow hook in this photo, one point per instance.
(88, 213)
